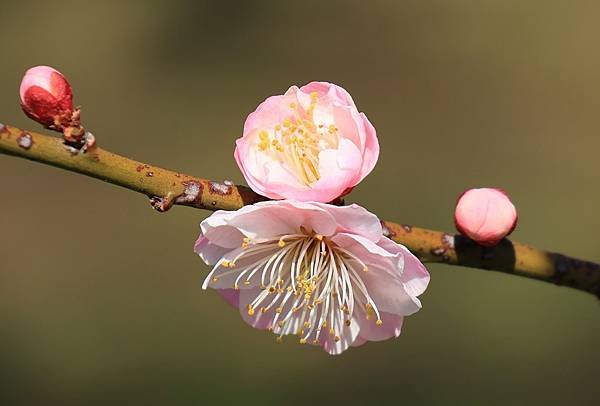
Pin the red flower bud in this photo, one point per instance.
(46, 97)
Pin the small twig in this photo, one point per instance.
(166, 188)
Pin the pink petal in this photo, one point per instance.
(269, 113)
(371, 150)
(358, 342)
(370, 331)
(356, 220)
(270, 219)
(384, 277)
(414, 275)
(231, 296)
(209, 252)
(332, 92)
(259, 320)
(337, 169)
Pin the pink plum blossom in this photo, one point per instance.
(310, 144)
(485, 215)
(324, 273)
(46, 96)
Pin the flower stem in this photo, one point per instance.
(166, 188)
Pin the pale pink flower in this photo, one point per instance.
(485, 215)
(310, 144)
(46, 96)
(322, 272)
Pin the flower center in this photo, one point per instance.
(297, 141)
(307, 284)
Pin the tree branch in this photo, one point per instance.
(166, 188)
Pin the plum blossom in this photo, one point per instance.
(485, 215)
(324, 273)
(309, 144)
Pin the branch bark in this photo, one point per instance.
(166, 188)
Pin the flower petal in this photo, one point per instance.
(231, 296)
(269, 113)
(259, 320)
(371, 150)
(209, 252)
(384, 277)
(274, 219)
(414, 275)
(391, 326)
(356, 220)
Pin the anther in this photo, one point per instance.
(379, 322)
(246, 242)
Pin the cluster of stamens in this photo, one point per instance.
(308, 284)
(297, 141)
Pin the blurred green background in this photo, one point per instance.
(100, 299)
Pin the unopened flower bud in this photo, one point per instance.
(46, 97)
(485, 215)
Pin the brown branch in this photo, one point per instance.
(166, 188)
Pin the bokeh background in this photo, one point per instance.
(100, 299)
